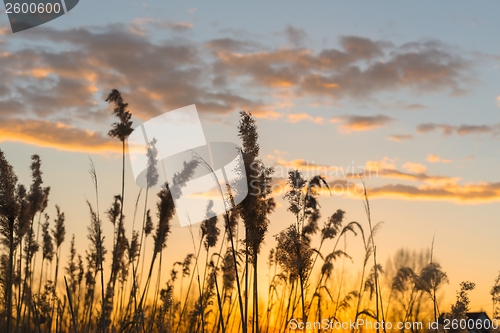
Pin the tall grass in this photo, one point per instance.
(218, 287)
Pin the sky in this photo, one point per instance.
(410, 90)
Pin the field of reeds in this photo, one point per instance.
(226, 284)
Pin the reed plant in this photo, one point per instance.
(216, 288)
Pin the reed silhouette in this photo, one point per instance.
(219, 287)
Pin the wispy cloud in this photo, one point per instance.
(361, 123)
(149, 22)
(415, 167)
(297, 37)
(447, 129)
(437, 159)
(467, 193)
(4, 30)
(400, 137)
(57, 135)
(416, 182)
(296, 117)
(179, 26)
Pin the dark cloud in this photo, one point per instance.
(179, 26)
(229, 44)
(460, 130)
(63, 76)
(157, 77)
(297, 37)
(473, 129)
(363, 48)
(362, 123)
(359, 69)
(10, 108)
(401, 106)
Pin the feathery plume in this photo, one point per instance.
(209, 230)
(148, 227)
(48, 246)
(123, 127)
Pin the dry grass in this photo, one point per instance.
(217, 290)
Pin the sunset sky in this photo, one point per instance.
(411, 90)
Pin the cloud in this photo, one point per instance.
(460, 130)
(415, 167)
(179, 26)
(473, 129)
(266, 114)
(277, 155)
(413, 106)
(429, 127)
(436, 159)
(431, 187)
(361, 123)
(296, 36)
(67, 84)
(4, 30)
(417, 183)
(362, 48)
(360, 68)
(384, 164)
(469, 193)
(158, 76)
(141, 24)
(66, 81)
(401, 105)
(386, 168)
(433, 158)
(228, 44)
(57, 135)
(400, 137)
(296, 117)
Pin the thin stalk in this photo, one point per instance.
(142, 237)
(189, 289)
(68, 292)
(246, 280)
(93, 175)
(20, 287)
(255, 293)
(221, 316)
(37, 318)
(341, 280)
(235, 262)
(33, 265)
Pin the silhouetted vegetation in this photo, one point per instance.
(217, 288)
